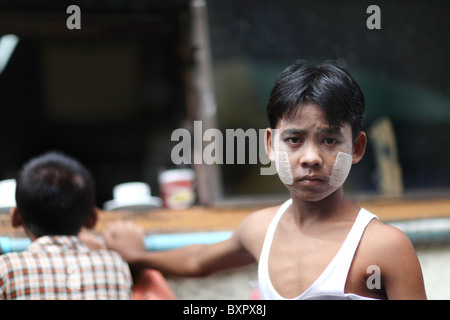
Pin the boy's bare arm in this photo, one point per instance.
(404, 279)
(401, 274)
(190, 261)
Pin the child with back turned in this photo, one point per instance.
(55, 198)
(318, 244)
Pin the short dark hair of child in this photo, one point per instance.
(327, 86)
(55, 195)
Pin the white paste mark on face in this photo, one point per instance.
(282, 162)
(341, 169)
(283, 167)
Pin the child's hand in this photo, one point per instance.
(126, 238)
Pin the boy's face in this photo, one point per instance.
(313, 159)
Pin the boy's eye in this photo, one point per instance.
(293, 140)
(331, 141)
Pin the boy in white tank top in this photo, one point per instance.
(318, 244)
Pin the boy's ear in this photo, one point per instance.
(360, 147)
(268, 139)
(16, 219)
(92, 219)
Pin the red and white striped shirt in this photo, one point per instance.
(63, 267)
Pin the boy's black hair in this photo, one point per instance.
(327, 86)
(55, 194)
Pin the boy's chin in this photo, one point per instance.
(310, 196)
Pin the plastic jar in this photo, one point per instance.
(177, 188)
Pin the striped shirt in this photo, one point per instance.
(63, 267)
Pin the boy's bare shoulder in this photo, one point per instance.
(260, 219)
(252, 230)
(392, 251)
(382, 233)
(385, 241)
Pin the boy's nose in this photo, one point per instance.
(311, 156)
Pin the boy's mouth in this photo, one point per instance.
(311, 179)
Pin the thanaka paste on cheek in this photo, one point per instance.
(341, 169)
(282, 163)
(283, 167)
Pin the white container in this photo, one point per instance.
(7, 194)
(136, 196)
(177, 188)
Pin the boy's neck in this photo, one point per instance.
(334, 207)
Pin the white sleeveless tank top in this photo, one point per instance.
(330, 285)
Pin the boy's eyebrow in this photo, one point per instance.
(329, 130)
(293, 131)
